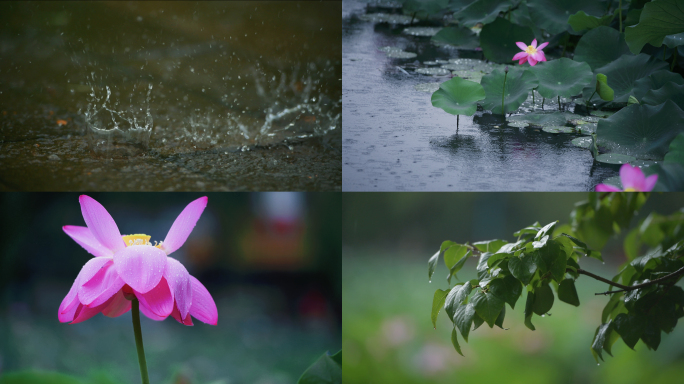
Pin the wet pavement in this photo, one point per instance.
(242, 96)
(395, 140)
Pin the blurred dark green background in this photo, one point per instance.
(270, 261)
(387, 333)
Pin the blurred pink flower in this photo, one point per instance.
(633, 180)
(125, 267)
(530, 53)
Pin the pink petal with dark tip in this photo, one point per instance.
(105, 284)
(159, 300)
(607, 188)
(203, 307)
(85, 239)
(118, 306)
(179, 282)
(101, 224)
(185, 222)
(176, 315)
(140, 266)
(521, 45)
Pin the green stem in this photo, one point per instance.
(543, 100)
(592, 95)
(503, 94)
(135, 310)
(533, 98)
(620, 15)
(559, 106)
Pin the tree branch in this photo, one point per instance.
(625, 288)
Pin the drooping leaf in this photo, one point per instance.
(518, 85)
(543, 299)
(658, 19)
(481, 11)
(457, 267)
(602, 89)
(545, 229)
(498, 40)
(456, 297)
(461, 37)
(601, 46)
(630, 327)
(507, 289)
(580, 21)
(529, 310)
(487, 306)
(500, 319)
(463, 319)
(458, 96)
(523, 267)
(437, 304)
(669, 91)
(453, 254)
(562, 77)
(651, 335)
(599, 340)
(552, 15)
(454, 341)
(554, 259)
(644, 131)
(432, 264)
(326, 370)
(568, 293)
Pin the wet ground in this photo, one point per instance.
(242, 96)
(395, 140)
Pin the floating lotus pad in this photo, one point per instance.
(562, 77)
(641, 130)
(624, 72)
(460, 37)
(543, 119)
(427, 87)
(421, 31)
(580, 21)
(601, 46)
(587, 129)
(658, 19)
(433, 71)
(386, 18)
(498, 40)
(645, 163)
(475, 76)
(601, 114)
(552, 15)
(582, 142)
(517, 124)
(430, 62)
(655, 80)
(458, 96)
(558, 129)
(614, 158)
(519, 83)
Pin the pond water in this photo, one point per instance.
(170, 96)
(395, 140)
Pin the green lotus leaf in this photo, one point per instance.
(669, 91)
(552, 15)
(542, 119)
(640, 130)
(424, 8)
(562, 77)
(658, 19)
(602, 88)
(518, 85)
(674, 40)
(676, 153)
(558, 129)
(498, 40)
(458, 96)
(582, 142)
(581, 21)
(481, 11)
(624, 72)
(614, 158)
(655, 80)
(601, 46)
(461, 37)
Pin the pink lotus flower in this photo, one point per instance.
(127, 267)
(632, 179)
(530, 53)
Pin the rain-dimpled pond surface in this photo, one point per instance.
(242, 96)
(395, 140)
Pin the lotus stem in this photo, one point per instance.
(588, 100)
(543, 100)
(503, 93)
(457, 118)
(620, 15)
(135, 310)
(533, 98)
(559, 105)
